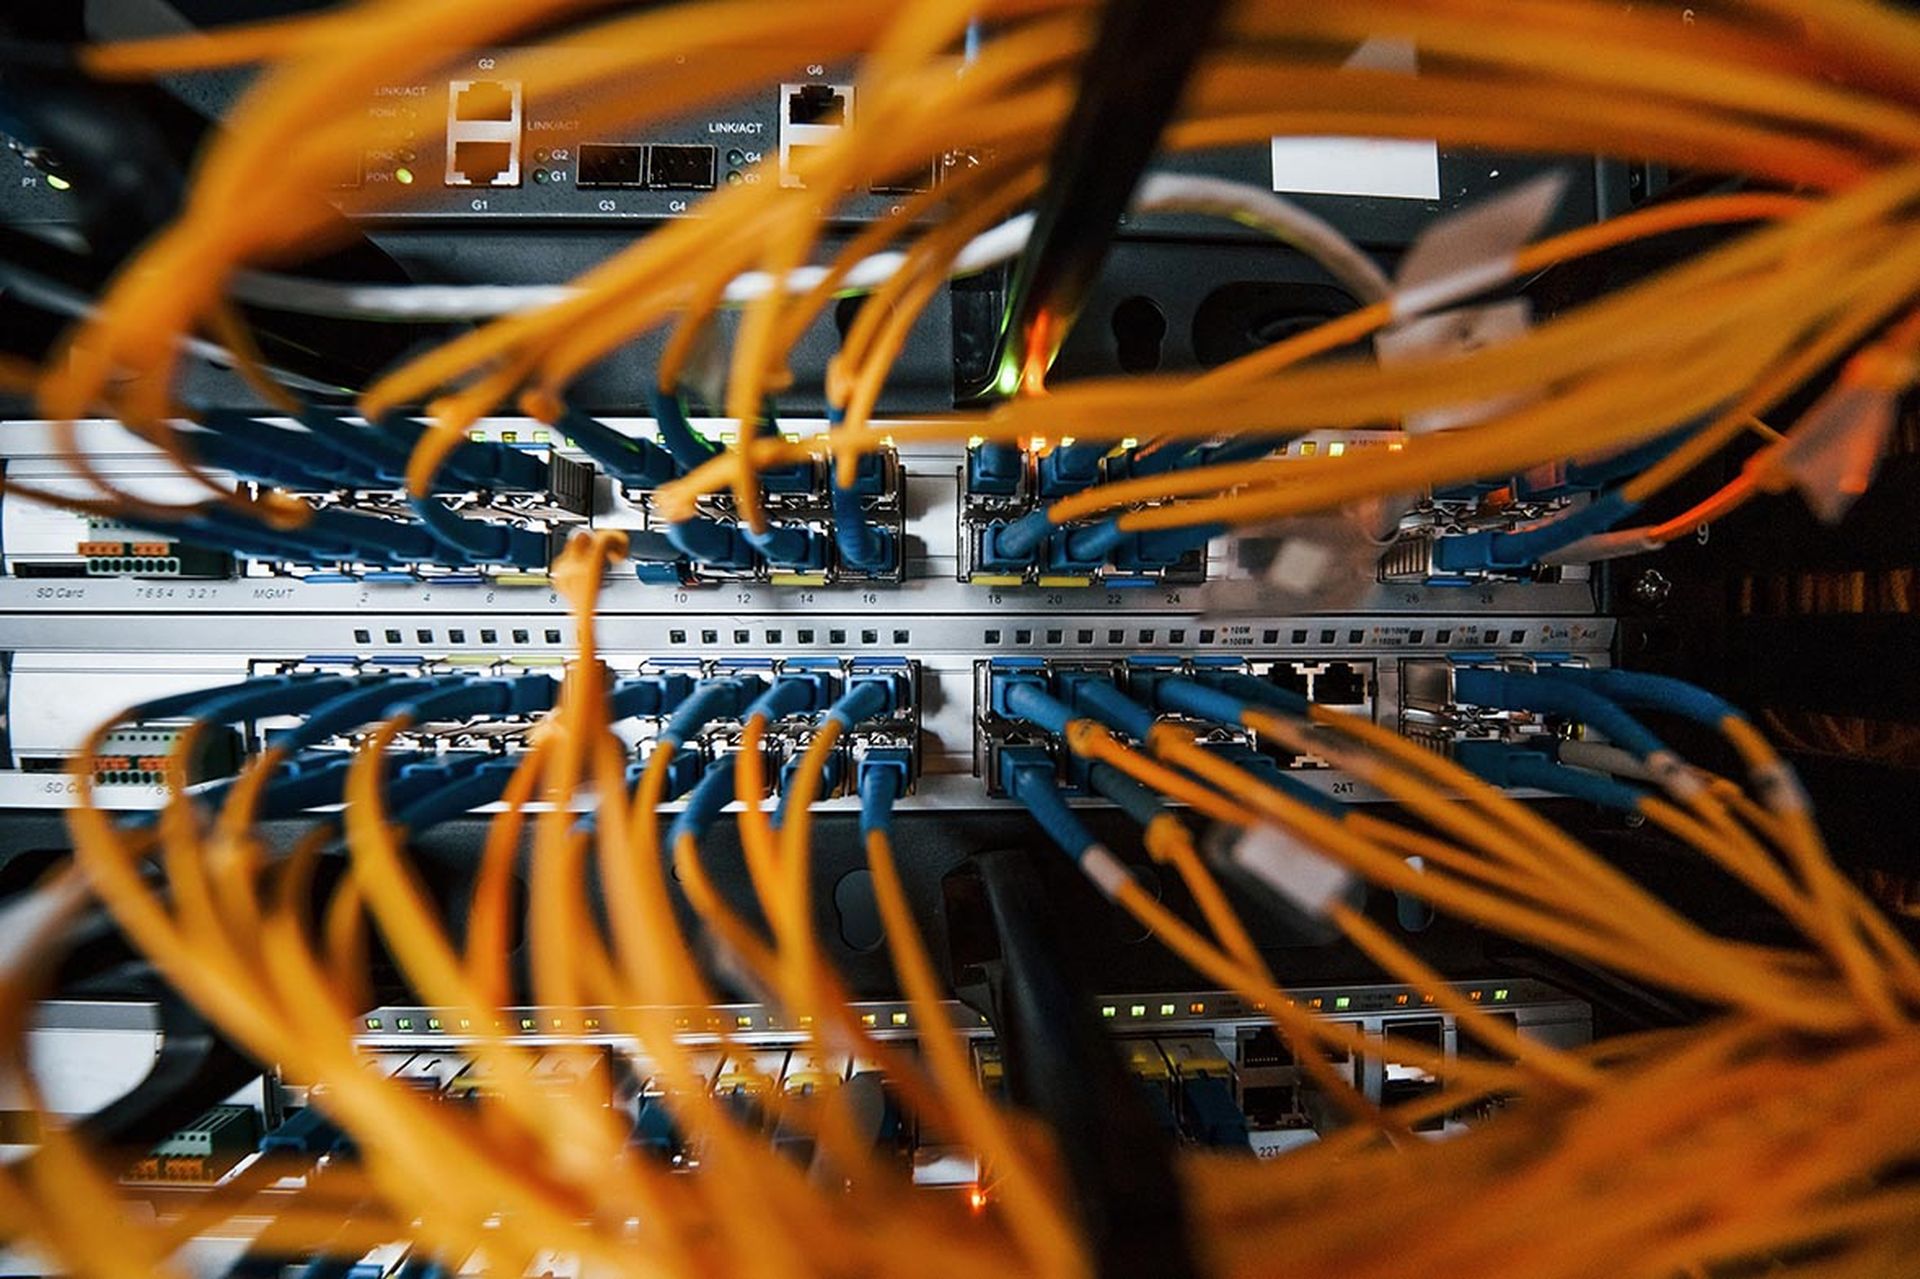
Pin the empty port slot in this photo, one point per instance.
(1400, 1083)
(905, 183)
(1292, 677)
(612, 164)
(484, 100)
(817, 104)
(1340, 684)
(482, 164)
(680, 168)
(1262, 1048)
(1269, 1106)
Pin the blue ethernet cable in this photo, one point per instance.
(1542, 694)
(882, 779)
(358, 706)
(314, 452)
(476, 464)
(864, 699)
(261, 697)
(221, 526)
(704, 803)
(1095, 697)
(1521, 549)
(725, 697)
(480, 541)
(862, 545)
(1650, 692)
(1028, 777)
(712, 543)
(1016, 543)
(788, 546)
(1512, 766)
(1255, 691)
(648, 696)
(273, 456)
(1069, 468)
(682, 442)
(483, 784)
(634, 462)
(384, 457)
(1138, 802)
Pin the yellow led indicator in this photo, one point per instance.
(542, 437)
(466, 1023)
(593, 1023)
(403, 176)
(899, 1019)
(1057, 580)
(998, 579)
(58, 183)
(1168, 1010)
(743, 1021)
(528, 1023)
(869, 1019)
(477, 435)
(1401, 1000)
(1336, 448)
(1137, 1010)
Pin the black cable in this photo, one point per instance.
(1011, 960)
(1130, 85)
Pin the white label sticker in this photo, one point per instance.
(1395, 168)
(1386, 167)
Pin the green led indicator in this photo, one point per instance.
(58, 183)
(403, 176)
(433, 1023)
(1137, 1010)
(1167, 1010)
(528, 1023)
(1108, 1010)
(1500, 996)
(373, 1023)
(1343, 1001)
(403, 1023)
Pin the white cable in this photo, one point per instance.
(1598, 757)
(1158, 193)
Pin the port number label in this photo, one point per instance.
(608, 206)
